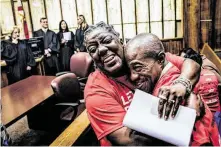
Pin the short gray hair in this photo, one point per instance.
(100, 25)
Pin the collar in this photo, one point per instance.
(44, 30)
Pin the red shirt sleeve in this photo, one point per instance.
(175, 60)
(104, 112)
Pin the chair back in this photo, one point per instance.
(81, 64)
(67, 88)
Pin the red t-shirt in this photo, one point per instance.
(205, 129)
(106, 103)
(207, 87)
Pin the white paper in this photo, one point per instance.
(142, 116)
(67, 35)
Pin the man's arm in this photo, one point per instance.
(190, 70)
(172, 96)
(126, 136)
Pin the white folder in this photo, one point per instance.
(67, 35)
(142, 116)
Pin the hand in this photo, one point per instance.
(28, 68)
(46, 51)
(48, 55)
(49, 49)
(195, 102)
(63, 41)
(170, 97)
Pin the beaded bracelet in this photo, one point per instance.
(185, 82)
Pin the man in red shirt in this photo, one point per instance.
(108, 93)
(148, 66)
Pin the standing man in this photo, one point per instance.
(51, 47)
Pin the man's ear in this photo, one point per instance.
(161, 58)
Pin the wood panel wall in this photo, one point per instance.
(191, 21)
(173, 45)
(202, 24)
(217, 28)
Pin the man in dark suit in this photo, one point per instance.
(51, 47)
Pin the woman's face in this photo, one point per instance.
(106, 50)
(63, 25)
(16, 34)
(80, 20)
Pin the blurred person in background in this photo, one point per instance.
(79, 35)
(18, 57)
(51, 47)
(66, 46)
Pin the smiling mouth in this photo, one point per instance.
(109, 59)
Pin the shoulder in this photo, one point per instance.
(96, 80)
(51, 31)
(58, 33)
(98, 89)
(22, 42)
(170, 56)
(38, 31)
(78, 29)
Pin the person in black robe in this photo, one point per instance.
(79, 34)
(18, 57)
(66, 46)
(51, 48)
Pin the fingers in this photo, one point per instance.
(169, 106)
(161, 106)
(163, 94)
(176, 106)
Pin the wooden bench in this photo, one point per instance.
(211, 55)
(73, 131)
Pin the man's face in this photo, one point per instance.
(144, 72)
(106, 50)
(16, 34)
(44, 23)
